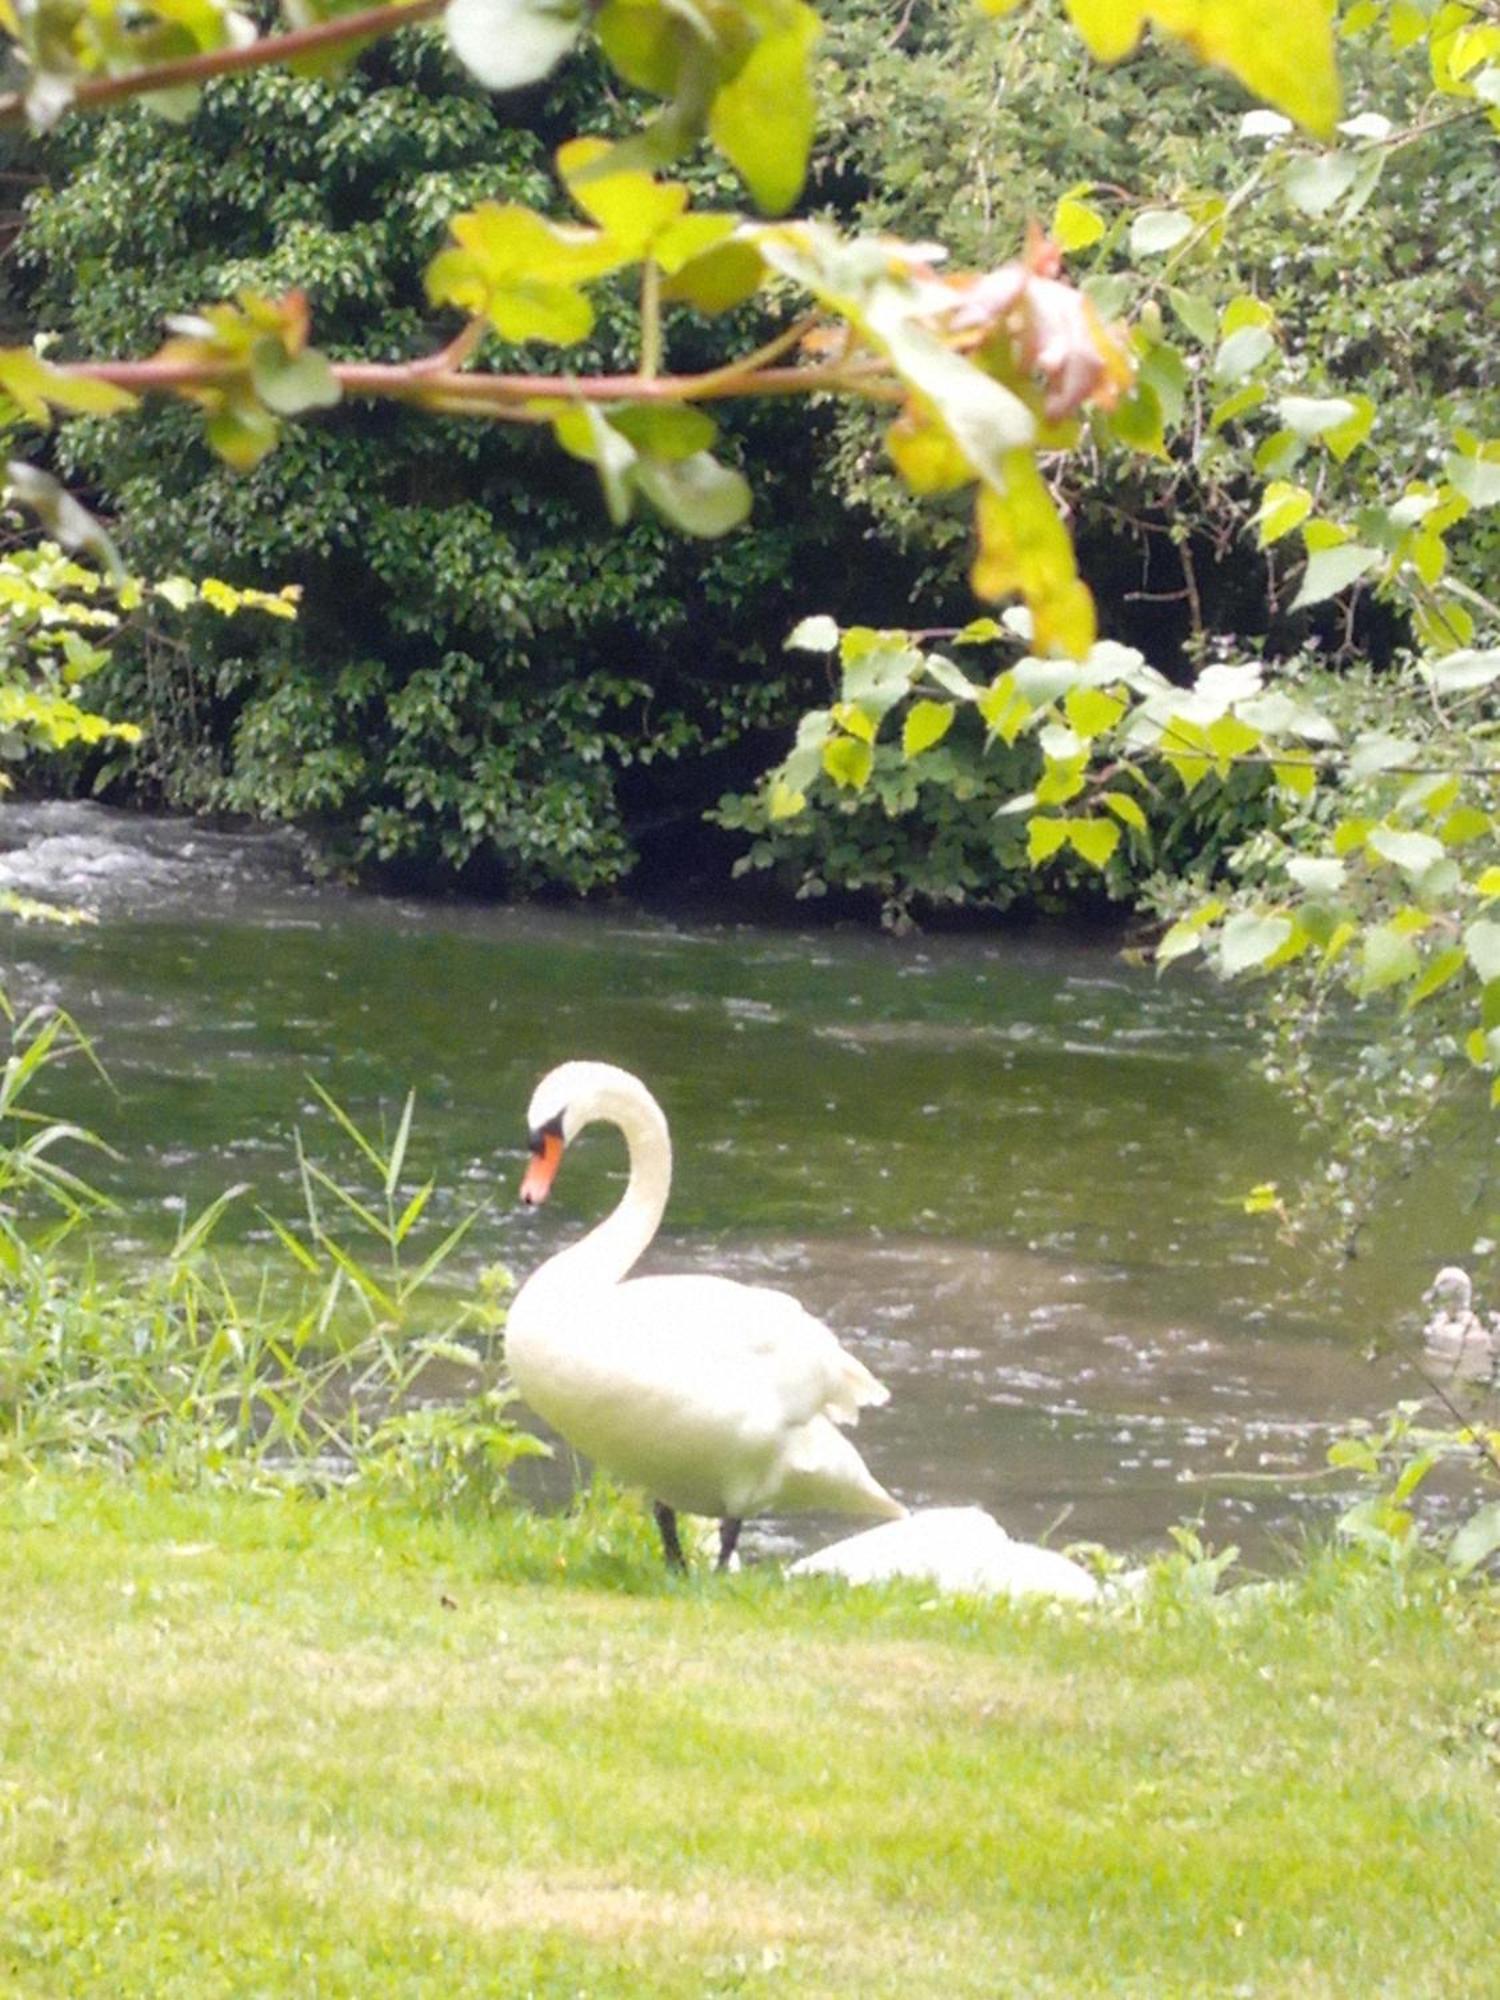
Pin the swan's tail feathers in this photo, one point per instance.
(855, 1390)
(822, 1469)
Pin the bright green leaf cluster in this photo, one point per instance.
(256, 369)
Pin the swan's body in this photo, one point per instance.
(1455, 1334)
(718, 1398)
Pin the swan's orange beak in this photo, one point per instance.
(536, 1183)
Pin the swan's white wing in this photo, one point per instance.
(748, 1334)
(706, 1392)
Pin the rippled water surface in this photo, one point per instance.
(1007, 1171)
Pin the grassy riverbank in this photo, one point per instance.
(265, 1746)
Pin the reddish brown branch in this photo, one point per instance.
(437, 379)
(100, 90)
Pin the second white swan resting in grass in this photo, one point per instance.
(718, 1398)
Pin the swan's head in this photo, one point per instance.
(1451, 1287)
(569, 1097)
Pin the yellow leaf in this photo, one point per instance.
(1024, 550)
(1075, 225)
(1281, 50)
(927, 723)
(1095, 840)
(1111, 28)
(849, 715)
(848, 762)
(1044, 837)
(926, 456)
(630, 205)
(1282, 508)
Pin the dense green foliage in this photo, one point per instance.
(1262, 282)
(485, 675)
(488, 678)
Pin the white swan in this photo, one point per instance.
(956, 1549)
(1455, 1333)
(718, 1398)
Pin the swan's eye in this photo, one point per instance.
(540, 1134)
(546, 1157)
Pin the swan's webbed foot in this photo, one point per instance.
(729, 1534)
(666, 1521)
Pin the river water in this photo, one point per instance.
(1007, 1170)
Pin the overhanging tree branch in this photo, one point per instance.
(95, 92)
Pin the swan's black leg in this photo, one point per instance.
(666, 1520)
(729, 1534)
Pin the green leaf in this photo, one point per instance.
(1163, 368)
(1478, 479)
(1196, 314)
(857, 721)
(1331, 570)
(1412, 853)
(848, 762)
(1094, 839)
(1044, 838)
(1477, 1540)
(1278, 453)
(507, 44)
(1249, 939)
(762, 119)
(626, 201)
(719, 279)
(1315, 183)
(1025, 549)
(1238, 405)
(522, 272)
(1180, 939)
(242, 434)
(67, 520)
(1344, 439)
(35, 383)
(1091, 711)
(584, 432)
(927, 723)
(1463, 672)
(665, 430)
(696, 494)
(1445, 965)
(1318, 874)
(1241, 354)
(1375, 751)
(949, 678)
(1137, 421)
(1388, 958)
(1075, 225)
(1282, 508)
(290, 384)
(1311, 416)
(1282, 53)
(1482, 945)
(1156, 230)
(879, 677)
(818, 634)
(1125, 808)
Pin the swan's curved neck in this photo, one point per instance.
(611, 1249)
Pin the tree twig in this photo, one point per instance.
(95, 91)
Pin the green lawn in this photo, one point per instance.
(262, 1746)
